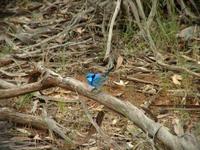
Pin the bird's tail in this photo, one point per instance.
(106, 73)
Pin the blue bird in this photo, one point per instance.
(97, 80)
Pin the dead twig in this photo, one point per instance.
(140, 80)
(186, 10)
(182, 92)
(36, 147)
(177, 68)
(69, 44)
(108, 47)
(6, 61)
(178, 107)
(73, 24)
(8, 74)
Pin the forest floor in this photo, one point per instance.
(69, 38)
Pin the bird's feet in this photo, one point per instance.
(95, 90)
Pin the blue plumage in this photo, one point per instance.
(96, 79)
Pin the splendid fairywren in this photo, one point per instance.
(96, 80)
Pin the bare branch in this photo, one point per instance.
(20, 118)
(108, 48)
(32, 87)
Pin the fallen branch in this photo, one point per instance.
(24, 89)
(6, 61)
(5, 85)
(177, 68)
(20, 118)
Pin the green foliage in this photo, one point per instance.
(132, 40)
(5, 50)
(62, 59)
(129, 30)
(61, 107)
(165, 81)
(185, 116)
(164, 34)
(24, 100)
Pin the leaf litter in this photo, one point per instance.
(54, 33)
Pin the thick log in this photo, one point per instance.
(24, 89)
(20, 118)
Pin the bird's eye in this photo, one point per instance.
(93, 75)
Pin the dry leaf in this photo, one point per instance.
(114, 121)
(93, 148)
(149, 89)
(99, 108)
(176, 79)
(37, 137)
(23, 131)
(119, 62)
(20, 20)
(129, 145)
(80, 30)
(60, 39)
(119, 94)
(121, 83)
